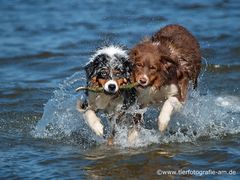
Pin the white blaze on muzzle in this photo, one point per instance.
(111, 86)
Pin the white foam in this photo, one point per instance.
(229, 102)
(202, 116)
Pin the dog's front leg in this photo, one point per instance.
(172, 104)
(93, 121)
(133, 133)
(90, 117)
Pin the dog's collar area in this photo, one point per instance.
(111, 93)
(141, 87)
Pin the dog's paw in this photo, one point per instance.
(132, 135)
(98, 128)
(110, 141)
(163, 122)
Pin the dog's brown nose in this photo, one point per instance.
(143, 80)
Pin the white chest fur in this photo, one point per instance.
(108, 103)
(156, 97)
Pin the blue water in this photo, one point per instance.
(43, 46)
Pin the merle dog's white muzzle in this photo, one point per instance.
(111, 86)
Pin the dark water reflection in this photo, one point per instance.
(43, 43)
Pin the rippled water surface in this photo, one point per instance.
(43, 46)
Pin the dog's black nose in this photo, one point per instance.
(112, 87)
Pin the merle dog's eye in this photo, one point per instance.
(104, 73)
(118, 74)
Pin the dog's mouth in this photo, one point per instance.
(109, 93)
(143, 81)
(111, 87)
(141, 86)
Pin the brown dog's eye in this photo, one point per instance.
(139, 65)
(153, 67)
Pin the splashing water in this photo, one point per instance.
(203, 116)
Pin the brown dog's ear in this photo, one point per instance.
(169, 66)
(133, 54)
(168, 60)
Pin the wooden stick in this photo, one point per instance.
(96, 89)
(100, 89)
(128, 86)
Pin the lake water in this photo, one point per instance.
(43, 46)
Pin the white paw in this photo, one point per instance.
(132, 135)
(94, 122)
(97, 127)
(163, 122)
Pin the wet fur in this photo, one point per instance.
(170, 59)
(108, 63)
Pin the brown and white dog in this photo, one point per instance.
(163, 67)
(109, 68)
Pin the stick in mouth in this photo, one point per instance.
(101, 89)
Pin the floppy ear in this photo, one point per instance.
(169, 66)
(133, 54)
(168, 62)
(93, 64)
(90, 74)
(89, 69)
(128, 64)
